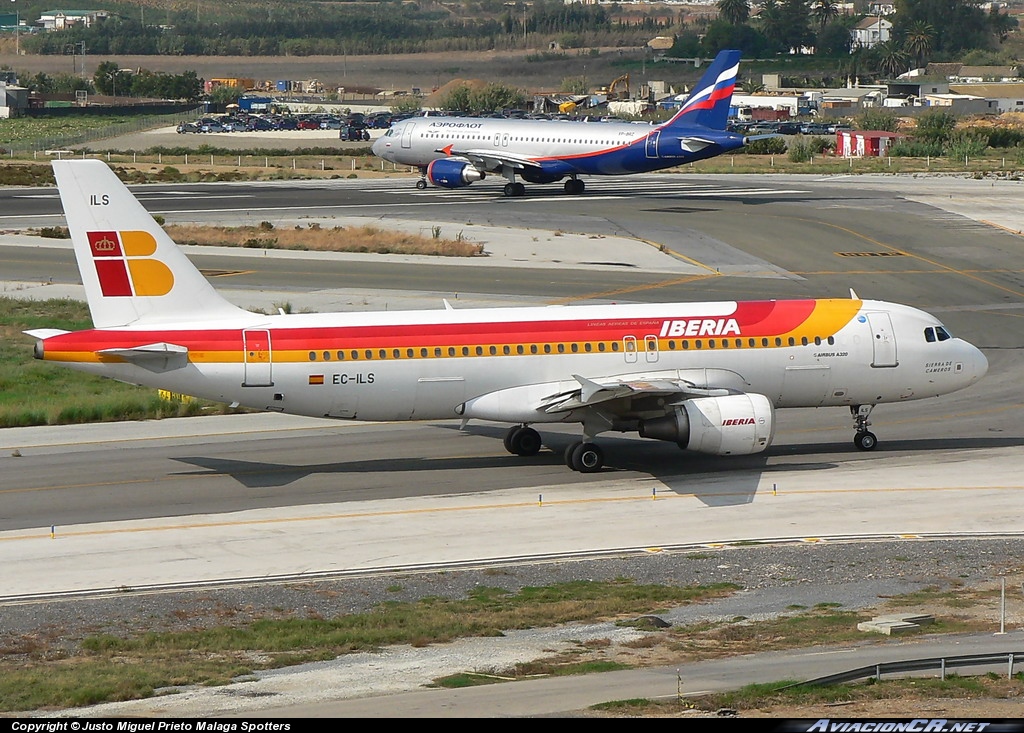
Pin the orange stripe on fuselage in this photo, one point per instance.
(760, 319)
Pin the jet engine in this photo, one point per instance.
(451, 173)
(739, 424)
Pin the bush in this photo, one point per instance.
(915, 149)
(799, 150)
(766, 146)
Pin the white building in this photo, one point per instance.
(870, 32)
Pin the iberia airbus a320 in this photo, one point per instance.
(706, 376)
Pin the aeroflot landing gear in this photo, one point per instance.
(421, 184)
(864, 438)
(515, 189)
(522, 441)
(574, 186)
(584, 457)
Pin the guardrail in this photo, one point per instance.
(916, 665)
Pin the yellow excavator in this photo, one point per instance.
(618, 90)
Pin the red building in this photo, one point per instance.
(861, 143)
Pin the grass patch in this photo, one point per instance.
(106, 667)
(788, 694)
(322, 239)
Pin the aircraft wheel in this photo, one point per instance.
(574, 186)
(524, 441)
(510, 436)
(587, 458)
(865, 440)
(510, 189)
(569, 451)
(518, 189)
(421, 184)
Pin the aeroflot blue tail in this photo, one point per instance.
(708, 103)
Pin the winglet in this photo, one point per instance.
(853, 295)
(588, 388)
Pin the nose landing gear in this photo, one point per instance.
(864, 439)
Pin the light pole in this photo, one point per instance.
(17, 30)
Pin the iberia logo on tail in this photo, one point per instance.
(125, 265)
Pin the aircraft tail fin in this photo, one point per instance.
(708, 103)
(131, 269)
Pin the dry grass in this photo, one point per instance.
(334, 239)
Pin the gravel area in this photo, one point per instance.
(776, 580)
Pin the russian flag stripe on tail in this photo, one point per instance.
(708, 103)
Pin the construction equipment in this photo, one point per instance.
(618, 90)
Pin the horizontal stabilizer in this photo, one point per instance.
(45, 333)
(149, 353)
(694, 144)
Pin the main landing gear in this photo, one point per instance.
(584, 457)
(574, 186)
(863, 438)
(515, 189)
(522, 441)
(581, 456)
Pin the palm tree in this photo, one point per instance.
(826, 11)
(891, 59)
(918, 40)
(771, 21)
(734, 12)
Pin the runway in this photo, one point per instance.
(218, 494)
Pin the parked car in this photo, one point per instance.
(354, 132)
(259, 124)
(188, 127)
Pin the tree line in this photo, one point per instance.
(111, 80)
(922, 31)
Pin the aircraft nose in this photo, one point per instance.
(975, 363)
(378, 147)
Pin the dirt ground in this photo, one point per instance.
(977, 609)
(426, 71)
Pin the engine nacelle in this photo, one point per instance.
(450, 173)
(739, 424)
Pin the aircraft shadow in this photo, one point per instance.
(712, 480)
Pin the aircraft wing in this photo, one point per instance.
(628, 390)
(490, 160)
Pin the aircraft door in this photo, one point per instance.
(407, 134)
(652, 144)
(504, 140)
(629, 349)
(257, 358)
(497, 139)
(883, 340)
(651, 349)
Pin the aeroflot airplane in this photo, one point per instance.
(707, 376)
(452, 152)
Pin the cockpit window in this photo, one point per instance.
(938, 333)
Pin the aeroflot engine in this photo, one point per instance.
(739, 424)
(448, 173)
